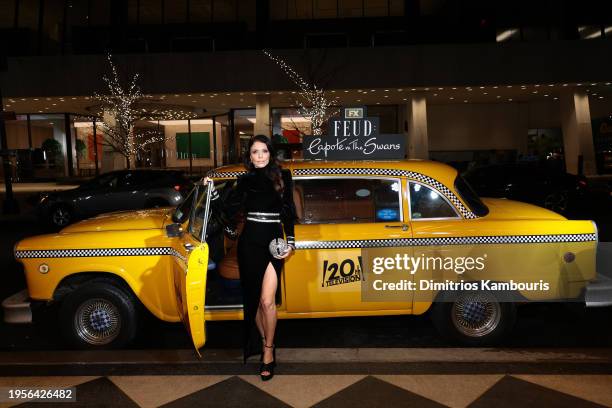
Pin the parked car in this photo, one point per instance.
(113, 191)
(349, 216)
(546, 187)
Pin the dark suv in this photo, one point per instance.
(116, 190)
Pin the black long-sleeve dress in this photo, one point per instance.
(267, 213)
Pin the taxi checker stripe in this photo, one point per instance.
(88, 253)
(372, 172)
(510, 239)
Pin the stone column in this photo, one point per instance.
(577, 132)
(262, 115)
(415, 127)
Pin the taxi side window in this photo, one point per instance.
(347, 200)
(426, 203)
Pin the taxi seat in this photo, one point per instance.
(228, 267)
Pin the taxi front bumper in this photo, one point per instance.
(599, 292)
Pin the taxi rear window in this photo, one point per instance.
(469, 197)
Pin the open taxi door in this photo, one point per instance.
(191, 266)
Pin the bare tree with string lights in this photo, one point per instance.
(122, 106)
(312, 103)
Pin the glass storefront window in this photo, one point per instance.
(41, 153)
(173, 151)
(244, 129)
(288, 128)
(86, 151)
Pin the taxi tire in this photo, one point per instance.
(122, 299)
(442, 317)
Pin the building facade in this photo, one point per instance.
(475, 83)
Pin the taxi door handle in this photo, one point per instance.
(188, 247)
(404, 227)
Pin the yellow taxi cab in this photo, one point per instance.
(372, 238)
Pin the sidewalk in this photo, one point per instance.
(37, 187)
(362, 377)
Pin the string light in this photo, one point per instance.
(311, 101)
(126, 105)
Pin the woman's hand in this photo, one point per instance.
(206, 180)
(286, 254)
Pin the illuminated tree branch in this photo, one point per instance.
(312, 102)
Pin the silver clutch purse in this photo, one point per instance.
(278, 247)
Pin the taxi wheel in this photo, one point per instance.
(99, 315)
(473, 318)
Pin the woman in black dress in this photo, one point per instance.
(265, 196)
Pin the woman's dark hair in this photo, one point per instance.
(273, 169)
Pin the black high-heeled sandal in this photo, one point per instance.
(269, 367)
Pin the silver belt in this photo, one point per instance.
(263, 217)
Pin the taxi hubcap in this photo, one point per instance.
(97, 321)
(476, 315)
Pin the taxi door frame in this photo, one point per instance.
(190, 268)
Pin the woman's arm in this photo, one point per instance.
(226, 208)
(288, 213)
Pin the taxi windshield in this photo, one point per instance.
(196, 222)
(181, 213)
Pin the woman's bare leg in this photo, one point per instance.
(259, 323)
(267, 307)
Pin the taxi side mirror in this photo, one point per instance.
(174, 230)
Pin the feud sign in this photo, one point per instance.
(354, 137)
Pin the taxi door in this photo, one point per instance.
(190, 265)
(340, 219)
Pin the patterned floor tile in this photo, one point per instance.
(372, 392)
(512, 392)
(145, 389)
(97, 393)
(233, 392)
(303, 390)
(456, 391)
(596, 388)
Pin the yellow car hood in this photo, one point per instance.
(500, 208)
(123, 220)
